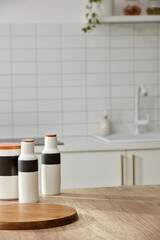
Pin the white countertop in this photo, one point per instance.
(91, 144)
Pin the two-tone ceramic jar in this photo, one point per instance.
(51, 166)
(28, 173)
(9, 153)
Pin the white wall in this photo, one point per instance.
(29, 11)
(54, 78)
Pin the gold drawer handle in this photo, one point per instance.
(122, 171)
(133, 169)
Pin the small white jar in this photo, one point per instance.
(9, 153)
(51, 167)
(28, 173)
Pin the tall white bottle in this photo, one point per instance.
(51, 167)
(28, 173)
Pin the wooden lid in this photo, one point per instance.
(27, 140)
(51, 135)
(11, 145)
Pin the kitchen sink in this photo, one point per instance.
(130, 138)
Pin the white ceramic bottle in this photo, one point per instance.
(28, 173)
(51, 167)
(9, 153)
(104, 125)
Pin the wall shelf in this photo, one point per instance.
(122, 19)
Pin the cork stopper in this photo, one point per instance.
(11, 145)
(50, 135)
(27, 140)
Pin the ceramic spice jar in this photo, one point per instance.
(28, 173)
(9, 153)
(51, 167)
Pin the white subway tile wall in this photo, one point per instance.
(56, 79)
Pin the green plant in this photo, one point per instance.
(91, 16)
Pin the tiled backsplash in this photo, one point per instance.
(56, 79)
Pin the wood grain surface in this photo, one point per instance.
(122, 213)
(35, 216)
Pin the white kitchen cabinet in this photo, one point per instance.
(104, 168)
(91, 169)
(146, 170)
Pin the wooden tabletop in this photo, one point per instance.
(125, 213)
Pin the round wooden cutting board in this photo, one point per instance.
(35, 216)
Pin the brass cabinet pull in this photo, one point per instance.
(122, 171)
(133, 168)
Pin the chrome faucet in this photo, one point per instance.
(143, 92)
